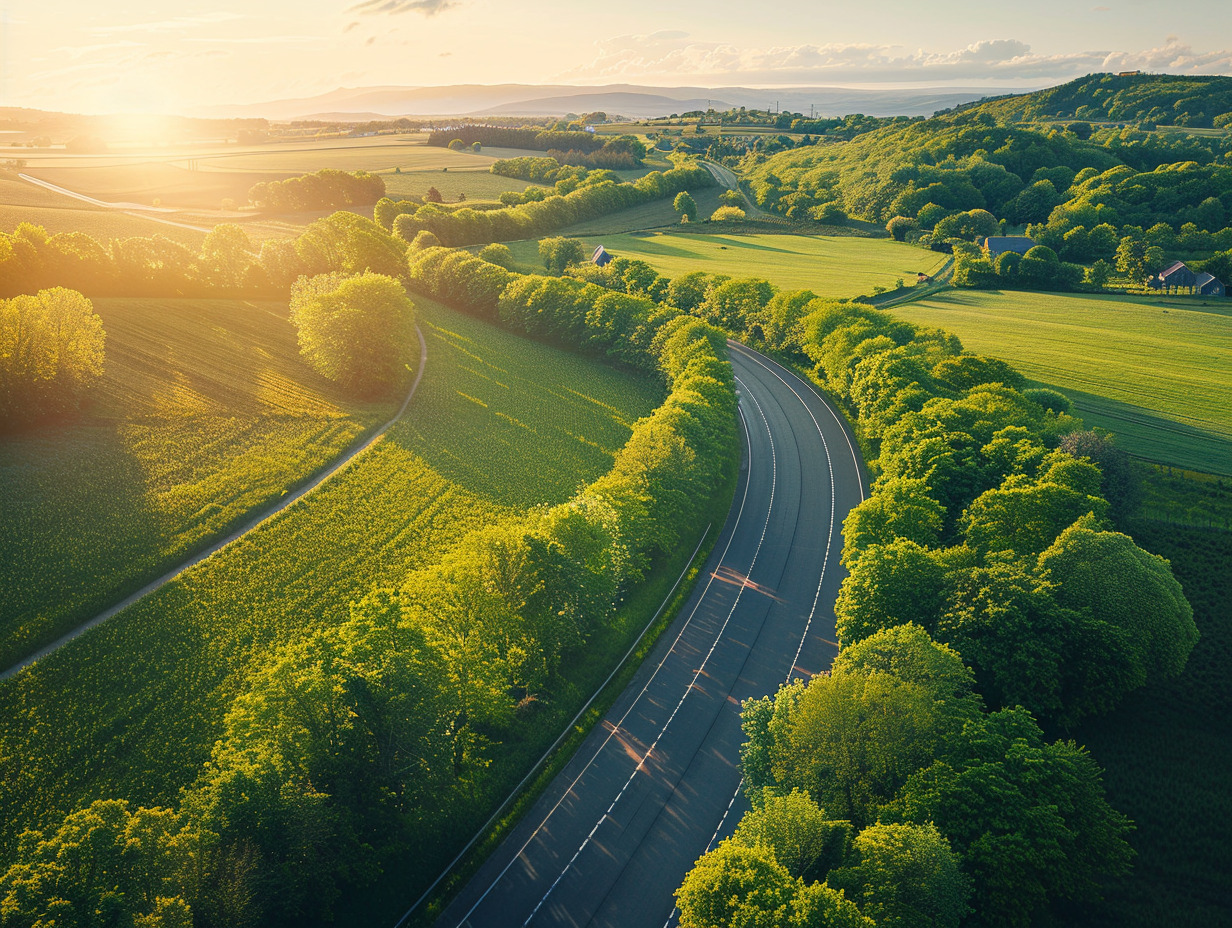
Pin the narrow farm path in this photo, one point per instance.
(656, 782)
(727, 178)
(261, 516)
(140, 210)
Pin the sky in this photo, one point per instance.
(174, 56)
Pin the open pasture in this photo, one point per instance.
(1156, 371)
(830, 266)
(499, 424)
(205, 413)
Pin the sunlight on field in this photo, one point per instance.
(450, 466)
(830, 266)
(1156, 371)
(205, 412)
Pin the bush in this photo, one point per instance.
(558, 253)
(424, 239)
(727, 213)
(899, 226)
(498, 254)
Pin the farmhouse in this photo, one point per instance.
(997, 245)
(1175, 275)
(601, 258)
(1209, 285)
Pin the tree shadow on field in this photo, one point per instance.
(79, 530)
(515, 421)
(735, 241)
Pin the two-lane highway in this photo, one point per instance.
(613, 836)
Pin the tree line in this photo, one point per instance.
(228, 262)
(470, 226)
(351, 750)
(988, 588)
(325, 189)
(532, 138)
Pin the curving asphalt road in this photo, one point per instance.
(657, 781)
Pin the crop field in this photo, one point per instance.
(205, 413)
(830, 266)
(1156, 371)
(499, 424)
(410, 153)
(22, 202)
(155, 183)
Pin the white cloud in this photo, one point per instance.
(177, 24)
(674, 55)
(74, 52)
(426, 7)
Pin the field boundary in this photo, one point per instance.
(261, 517)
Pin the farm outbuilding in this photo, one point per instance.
(601, 258)
(997, 245)
(1209, 285)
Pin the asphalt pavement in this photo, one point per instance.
(656, 782)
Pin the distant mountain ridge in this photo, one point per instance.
(626, 99)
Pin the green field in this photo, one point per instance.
(205, 413)
(131, 709)
(1156, 371)
(830, 266)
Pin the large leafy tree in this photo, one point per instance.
(1137, 619)
(906, 876)
(358, 331)
(1029, 818)
(51, 352)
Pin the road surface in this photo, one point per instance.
(655, 783)
(254, 521)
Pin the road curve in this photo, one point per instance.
(655, 783)
(254, 521)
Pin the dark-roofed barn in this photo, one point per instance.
(1209, 285)
(601, 257)
(999, 244)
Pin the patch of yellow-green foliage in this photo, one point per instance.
(1156, 371)
(830, 266)
(498, 424)
(205, 412)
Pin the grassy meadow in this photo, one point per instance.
(131, 709)
(1156, 371)
(205, 413)
(830, 266)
